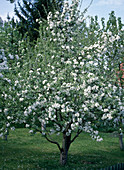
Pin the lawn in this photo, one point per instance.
(27, 152)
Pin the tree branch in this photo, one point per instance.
(68, 126)
(78, 132)
(51, 141)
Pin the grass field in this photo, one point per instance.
(23, 151)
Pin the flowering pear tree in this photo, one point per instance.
(69, 79)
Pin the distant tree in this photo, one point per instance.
(30, 12)
(1, 22)
(11, 1)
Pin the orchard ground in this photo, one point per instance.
(24, 151)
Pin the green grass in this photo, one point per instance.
(23, 151)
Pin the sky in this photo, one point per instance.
(101, 8)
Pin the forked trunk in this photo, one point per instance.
(65, 148)
(121, 142)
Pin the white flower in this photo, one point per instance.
(16, 82)
(104, 117)
(37, 20)
(109, 116)
(63, 110)
(74, 74)
(25, 113)
(85, 109)
(81, 63)
(106, 110)
(8, 117)
(8, 124)
(96, 132)
(50, 109)
(88, 56)
(95, 87)
(68, 62)
(44, 81)
(112, 39)
(67, 47)
(77, 114)
(11, 56)
(96, 104)
(27, 125)
(13, 128)
(56, 105)
(57, 12)
(5, 111)
(91, 62)
(75, 61)
(102, 94)
(52, 72)
(21, 99)
(117, 37)
(109, 33)
(38, 69)
(31, 131)
(99, 139)
(31, 71)
(72, 126)
(17, 57)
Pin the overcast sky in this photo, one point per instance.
(101, 8)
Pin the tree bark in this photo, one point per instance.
(65, 147)
(43, 126)
(121, 142)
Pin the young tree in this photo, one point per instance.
(69, 79)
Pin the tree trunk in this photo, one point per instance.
(5, 137)
(121, 142)
(65, 148)
(43, 126)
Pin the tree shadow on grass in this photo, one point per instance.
(21, 157)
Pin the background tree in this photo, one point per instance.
(114, 26)
(29, 13)
(10, 50)
(11, 1)
(1, 22)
